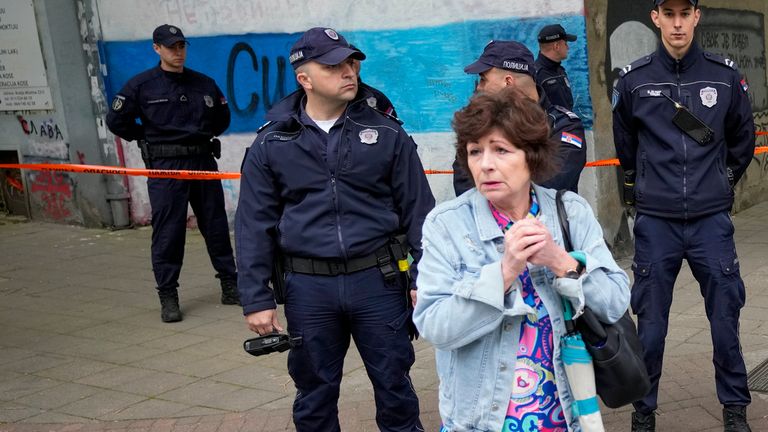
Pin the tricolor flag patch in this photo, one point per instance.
(744, 84)
(571, 139)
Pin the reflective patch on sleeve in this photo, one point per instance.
(614, 99)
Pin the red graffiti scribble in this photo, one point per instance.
(55, 193)
(12, 182)
(81, 157)
(24, 124)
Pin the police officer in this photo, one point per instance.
(373, 96)
(550, 74)
(510, 63)
(180, 110)
(329, 183)
(684, 134)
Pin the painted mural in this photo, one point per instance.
(416, 55)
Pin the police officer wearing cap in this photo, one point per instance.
(180, 112)
(550, 74)
(510, 63)
(684, 134)
(329, 183)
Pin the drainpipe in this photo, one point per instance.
(117, 194)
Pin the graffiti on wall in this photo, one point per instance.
(420, 69)
(54, 193)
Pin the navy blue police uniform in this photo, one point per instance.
(179, 114)
(565, 126)
(329, 203)
(550, 74)
(683, 194)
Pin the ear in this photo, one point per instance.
(156, 47)
(304, 80)
(655, 18)
(696, 16)
(509, 80)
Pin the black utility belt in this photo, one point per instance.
(331, 267)
(161, 150)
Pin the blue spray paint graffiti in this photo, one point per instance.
(420, 69)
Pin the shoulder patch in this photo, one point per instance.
(720, 60)
(264, 126)
(572, 115)
(637, 64)
(387, 115)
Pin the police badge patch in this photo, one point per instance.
(117, 103)
(708, 96)
(331, 33)
(369, 136)
(371, 102)
(208, 101)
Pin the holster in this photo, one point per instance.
(628, 195)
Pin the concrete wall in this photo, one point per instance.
(416, 55)
(65, 134)
(621, 31)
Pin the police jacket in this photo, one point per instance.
(291, 198)
(551, 76)
(567, 129)
(676, 176)
(174, 108)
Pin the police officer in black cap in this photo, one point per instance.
(337, 188)
(550, 74)
(685, 134)
(510, 63)
(180, 113)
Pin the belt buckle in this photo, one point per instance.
(335, 268)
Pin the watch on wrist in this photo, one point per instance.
(574, 273)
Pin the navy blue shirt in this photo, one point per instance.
(297, 196)
(676, 176)
(173, 108)
(551, 76)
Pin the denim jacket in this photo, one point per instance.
(463, 311)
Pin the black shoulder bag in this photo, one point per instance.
(617, 354)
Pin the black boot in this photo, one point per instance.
(735, 419)
(169, 306)
(643, 422)
(229, 293)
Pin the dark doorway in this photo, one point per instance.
(13, 195)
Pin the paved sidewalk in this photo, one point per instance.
(82, 347)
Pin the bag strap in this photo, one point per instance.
(562, 216)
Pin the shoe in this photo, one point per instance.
(229, 293)
(169, 307)
(643, 422)
(735, 419)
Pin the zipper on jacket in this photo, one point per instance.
(685, 145)
(338, 217)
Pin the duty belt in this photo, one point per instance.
(333, 267)
(161, 150)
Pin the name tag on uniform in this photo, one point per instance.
(654, 93)
(156, 101)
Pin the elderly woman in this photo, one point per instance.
(494, 273)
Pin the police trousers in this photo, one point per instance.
(707, 244)
(325, 311)
(169, 199)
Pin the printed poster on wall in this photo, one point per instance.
(23, 81)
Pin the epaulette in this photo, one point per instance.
(719, 60)
(572, 115)
(387, 115)
(264, 126)
(637, 64)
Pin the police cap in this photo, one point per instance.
(324, 46)
(554, 32)
(510, 55)
(167, 35)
